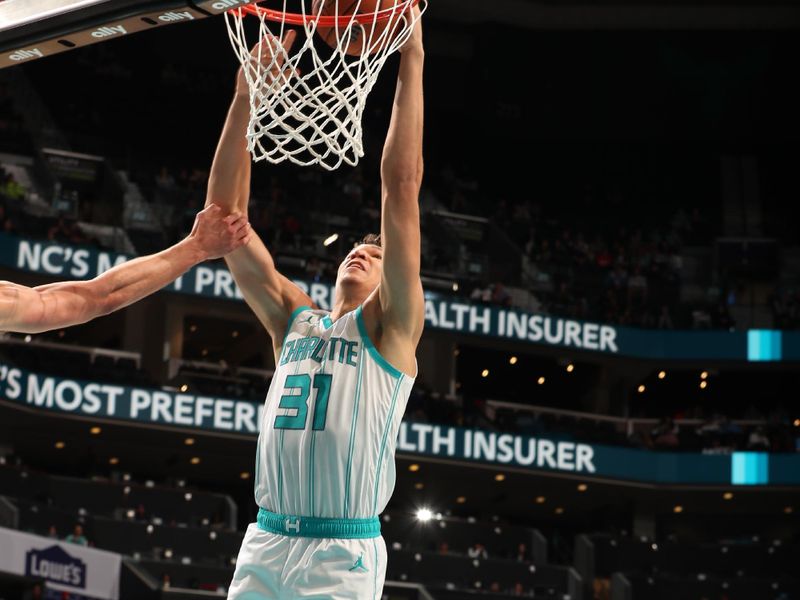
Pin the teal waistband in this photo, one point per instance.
(318, 527)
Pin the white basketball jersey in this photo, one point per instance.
(331, 421)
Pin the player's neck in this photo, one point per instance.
(347, 299)
(342, 306)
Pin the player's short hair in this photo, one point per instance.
(373, 239)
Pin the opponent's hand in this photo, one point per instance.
(215, 235)
(269, 53)
(414, 42)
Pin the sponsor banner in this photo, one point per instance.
(92, 399)
(65, 567)
(566, 456)
(443, 313)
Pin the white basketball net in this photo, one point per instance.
(314, 118)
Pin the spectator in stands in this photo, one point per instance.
(519, 589)
(522, 553)
(478, 551)
(665, 319)
(758, 440)
(444, 548)
(77, 537)
(52, 532)
(601, 589)
(637, 288)
(665, 433)
(35, 593)
(500, 295)
(141, 512)
(65, 231)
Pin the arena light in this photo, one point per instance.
(703, 385)
(60, 445)
(540, 381)
(788, 510)
(192, 328)
(95, 431)
(797, 422)
(559, 510)
(540, 499)
(113, 460)
(189, 441)
(662, 374)
(485, 373)
(330, 239)
(570, 368)
(188, 496)
(582, 487)
(419, 485)
(500, 477)
(641, 389)
(244, 475)
(455, 286)
(704, 375)
(195, 460)
(184, 388)
(413, 468)
(727, 495)
(678, 509)
(461, 500)
(234, 334)
(424, 514)
(512, 360)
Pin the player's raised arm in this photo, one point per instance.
(401, 297)
(268, 293)
(55, 305)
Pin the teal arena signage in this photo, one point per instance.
(553, 454)
(442, 312)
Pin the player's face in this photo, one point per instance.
(363, 265)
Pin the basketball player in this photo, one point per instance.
(56, 305)
(325, 459)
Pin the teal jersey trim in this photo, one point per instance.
(375, 569)
(373, 351)
(295, 313)
(318, 527)
(353, 433)
(326, 322)
(383, 443)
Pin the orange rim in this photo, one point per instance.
(323, 20)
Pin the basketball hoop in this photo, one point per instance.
(310, 113)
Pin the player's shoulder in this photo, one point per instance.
(309, 316)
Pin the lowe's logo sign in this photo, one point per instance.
(54, 564)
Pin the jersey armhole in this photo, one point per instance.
(373, 351)
(295, 313)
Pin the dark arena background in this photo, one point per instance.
(607, 403)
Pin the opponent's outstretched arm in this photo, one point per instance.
(401, 297)
(55, 305)
(270, 295)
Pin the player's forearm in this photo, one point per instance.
(131, 281)
(229, 180)
(402, 152)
